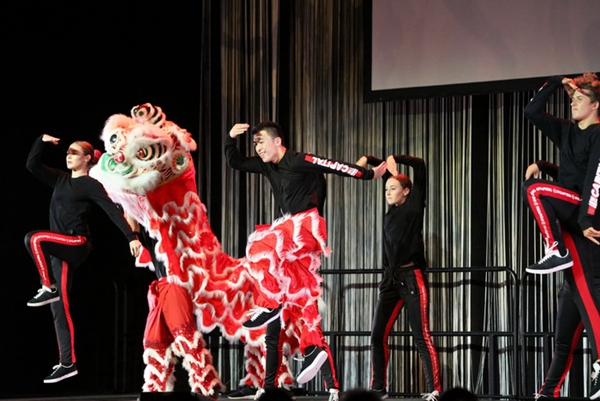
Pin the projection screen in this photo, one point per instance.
(423, 48)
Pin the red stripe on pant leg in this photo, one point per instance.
(424, 308)
(572, 349)
(64, 298)
(38, 255)
(534, 192)
(386, 334)
(583, 288)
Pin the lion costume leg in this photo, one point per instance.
(171, 326)
(160, 366)
(197, 360)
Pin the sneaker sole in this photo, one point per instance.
(262, 325)
(548, 271)
(311, 371)
(63, 377)
(595, 395)
(46, 302)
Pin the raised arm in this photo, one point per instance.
(535, 110)
(419, 180)
(235, 158)
(34, 161)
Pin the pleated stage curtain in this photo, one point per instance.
(300, 63)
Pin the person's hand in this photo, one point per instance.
(135, 246)
(50, 138)
(238, 129)
(569, 86)
(392, 166)
(532, 171)
(379, 170)
(591, 233)
(362, 161)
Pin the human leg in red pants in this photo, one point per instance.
(584, 280)
(549, 203)
(171, 332)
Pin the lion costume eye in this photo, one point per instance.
(151, 152)
(116, 141)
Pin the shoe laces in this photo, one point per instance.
(256, 312)
(433, 396)
(334, 394)
(44, 289)
(550, 251)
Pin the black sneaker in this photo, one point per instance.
(551, 262)
(383, 394)
(45, 295)
(595, 392)
(243, 393)
(61, 372)
(313, 361)
(261, 317)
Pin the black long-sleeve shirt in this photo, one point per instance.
(296, 180)
(72, 197)
(579, 168)
(403, 224)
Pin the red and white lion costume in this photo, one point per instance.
(148, 169)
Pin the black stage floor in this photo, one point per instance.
(135, 397)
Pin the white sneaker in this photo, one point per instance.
(334, 394)
(433, 396)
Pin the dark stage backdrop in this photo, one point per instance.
(300, 63)
(68, 67)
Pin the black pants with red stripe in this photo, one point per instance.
(56, 256)
(569, 327)
(551, 203)
(578, 308)
(403, 286)
(556, 210)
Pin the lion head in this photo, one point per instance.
(143, 151)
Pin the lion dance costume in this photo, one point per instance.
(148, 169)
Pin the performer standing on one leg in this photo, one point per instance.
(294, 243)
(566, 210)
(579, 143)
(404, 282)
(58, 252)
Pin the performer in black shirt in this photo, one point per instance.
(404, 282)
(285, 256)
(59, 251)
(579, 162)
(566, 213)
